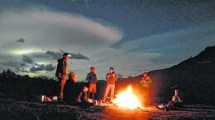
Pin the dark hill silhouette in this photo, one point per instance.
(194, 76)
(25, 88)
(13, 86)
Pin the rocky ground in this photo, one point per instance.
(25, 110)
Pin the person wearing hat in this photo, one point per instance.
(62, 73)
(110, 86)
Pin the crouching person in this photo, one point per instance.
(75, 94)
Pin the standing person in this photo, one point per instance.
(62, 73)
(146, 84)
(110, 86)
(92, 80)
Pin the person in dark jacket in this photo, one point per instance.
(62, 73)
(75, 94)
(110, 86)
(92, 80)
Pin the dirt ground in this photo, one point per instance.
(151, 112)
(24, 110)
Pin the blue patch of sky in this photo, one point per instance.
(136, 18)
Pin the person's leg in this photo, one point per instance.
(88, 95)
(78, 99)
(106, 93)
(60, 87)
(63, 82)
(112, 91)
(94, 91)
(85, 96)
(93, 96)
(90, 90)
(146, 96)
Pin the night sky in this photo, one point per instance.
(130, 35)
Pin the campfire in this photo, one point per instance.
(127, 99)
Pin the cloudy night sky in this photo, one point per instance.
(130, 35)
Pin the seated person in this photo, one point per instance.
(175, 103)
(75, 94)
(177, 100)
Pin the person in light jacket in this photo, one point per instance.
(110, 86)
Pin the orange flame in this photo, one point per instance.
(127, 99)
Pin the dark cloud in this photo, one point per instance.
(35, 69)
(41, 67)
(36, 64)
(21, 40)
(49, 67)
(26, 59)
(22, 64)
(76, 56)
(56, 55)
(79, 56)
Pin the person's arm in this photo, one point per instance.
(107, 76)
(115, 76)
(87, 77)
(142, 80)
(173, 98)
(150, 80)
(180, 100)
(96, 78)
(64, 70)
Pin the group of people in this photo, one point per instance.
(110, 87)
(72, 93)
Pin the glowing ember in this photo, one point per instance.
(127, 99)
